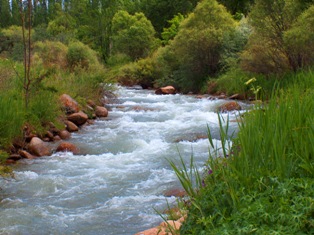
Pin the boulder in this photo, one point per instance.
(101, 111)
(69, 104)
(91, 103)
(67, 147)
(229, 106)
(25, 154)
(64, 134)
(49, 135)
(71, 127)
(152, 231)
(168, 90)
(38, 147)
(175, 225)
(78, 118)
(56, 138)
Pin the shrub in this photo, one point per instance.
(81, 56)
(52, 54)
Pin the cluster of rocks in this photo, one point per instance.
(32, 145)
(226, 107)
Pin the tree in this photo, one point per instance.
(195, 52)
(16, 18)
(5, 13)
(132, 34)
(299, 40)
(26, 18)
(267, 51)
(159, 12)
(237, 6)
(170, 32)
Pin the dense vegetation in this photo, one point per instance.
(260, 49)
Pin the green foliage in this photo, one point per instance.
(267, 51)
(5, 14)
(13, 42)
(299, 39)
(44, 108)
(263, 183)
(237, 6)
(81, 56)
(170, 32)
(132, 34)
(231, 82)
(160, 11)
(62, 28)
(12, 117)
(52, 54)
(196, 51)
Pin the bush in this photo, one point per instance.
(52, 54)
(81, 56)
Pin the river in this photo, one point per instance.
(119, 180)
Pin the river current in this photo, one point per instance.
(119, 181)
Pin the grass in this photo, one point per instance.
(263, 184)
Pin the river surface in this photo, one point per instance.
(119, 180)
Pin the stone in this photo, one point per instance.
(229, 106)
(168, 90)
(91, 103)
(14, 157)
(25, 154)
(64, 134)
(152, 231)
(78, 118)
(56, 138)
(101, 111)
(175, 225)
(38, 147)
(71, 127)
(175, 193)
(67, 147)
(237, 97)
(69, 104)
(49, 135)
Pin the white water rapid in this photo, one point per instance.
(120, 178)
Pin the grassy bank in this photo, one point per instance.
(264, 183)
(56, 69)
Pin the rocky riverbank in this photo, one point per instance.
(54, 139)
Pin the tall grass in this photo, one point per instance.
(263, 184)
(12, 117)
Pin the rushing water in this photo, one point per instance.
(117, 183)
